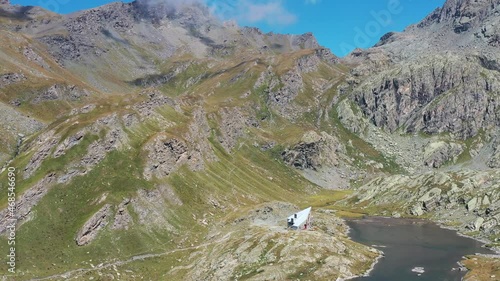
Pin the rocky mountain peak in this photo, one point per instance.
(454, 8)
(459, 26)
(306, 40)
(186, 12)
(439, 76)
(175, 27)
(148, 10)
(4, 2)
(462, 14)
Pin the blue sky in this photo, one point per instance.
(340, 25)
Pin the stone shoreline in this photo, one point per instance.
(438, 223)
(372, 267)
(367, 273)
(479, 239)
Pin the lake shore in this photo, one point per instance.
(367, 273)
(482, 240)
(409, 223)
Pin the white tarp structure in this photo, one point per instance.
(300, 220)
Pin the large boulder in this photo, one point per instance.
(430, 200)
(438, 153)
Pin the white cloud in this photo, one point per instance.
(272, 12)
(313, 2)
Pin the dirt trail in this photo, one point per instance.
(80, 271)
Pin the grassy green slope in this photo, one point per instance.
(238, 181)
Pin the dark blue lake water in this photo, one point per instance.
(413, 243)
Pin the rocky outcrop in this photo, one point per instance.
(464, 26)
(264, 78)
(197, 137)
(314, 151)
(60, 92)
(27, 201)
(31, 55)
(51, 94)
(68, 143)
(97, 151)
(304, 155)
(69, 48)
(11, 78)
(292, 86)
(114, 139)
(45, 143)
(69, 175)
(309, 63)
(438, 153)
(417, 210)
(93, 21)
(156, 100)
(305, 41)
(282, 92)
(95, 154)
(82, 26)
(165, 155)
(494, 161)
(14, 127)
(431, 199)
(350, 118)
(93, 226)
(473, 204)
(130, 119)
(326, 55)
(462, 15)
(232, 126)
(122, 217)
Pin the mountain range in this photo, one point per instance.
(154, 140)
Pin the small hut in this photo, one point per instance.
(300, 220)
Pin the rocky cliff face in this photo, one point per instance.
(438, 77)
(433, 94)
(433, 89)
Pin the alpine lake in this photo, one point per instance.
(413, 249)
